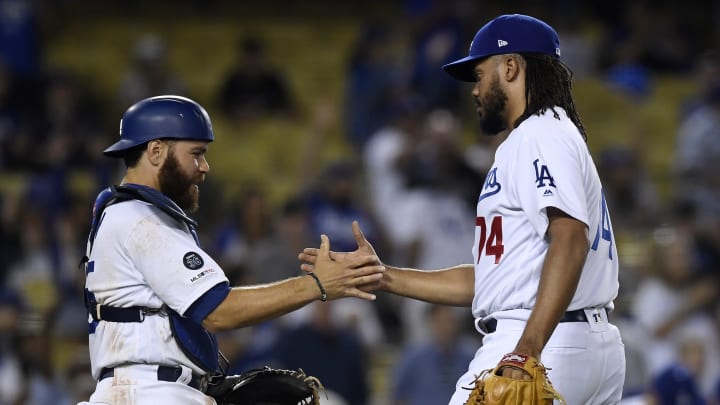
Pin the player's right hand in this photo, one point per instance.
(343, 278)
(308, 256)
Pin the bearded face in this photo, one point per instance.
(177, 185)
(491, 109)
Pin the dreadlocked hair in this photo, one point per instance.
(548, 83)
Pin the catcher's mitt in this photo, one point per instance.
(266, 386)
(491, 388)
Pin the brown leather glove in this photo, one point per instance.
(490, 387)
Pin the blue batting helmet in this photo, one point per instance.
(158, 117)
(510, 33)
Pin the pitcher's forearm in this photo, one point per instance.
(451, 286)
(559, 280)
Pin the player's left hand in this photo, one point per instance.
(267, 385)
(517, 379)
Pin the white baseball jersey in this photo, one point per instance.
(143, 257)
(544, 162)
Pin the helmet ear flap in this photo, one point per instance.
(172, 117)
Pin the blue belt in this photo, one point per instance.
(490, 324)
(166, 373)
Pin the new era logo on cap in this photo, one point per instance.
(510, 33)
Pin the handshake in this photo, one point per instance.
(344, 274)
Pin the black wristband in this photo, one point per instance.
(323, 294)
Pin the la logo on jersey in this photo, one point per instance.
(491, 186)
(543, 178)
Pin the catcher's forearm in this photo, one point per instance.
(451, 286)
(245, 306)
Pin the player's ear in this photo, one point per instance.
(511, 66)
(154, 151)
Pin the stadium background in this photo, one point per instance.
(92, 45)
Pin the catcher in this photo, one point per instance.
(155, 298)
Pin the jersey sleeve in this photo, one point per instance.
(207, 303)
(177, 270)
(550, 171)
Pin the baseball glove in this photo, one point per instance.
(490, 387)
(266, 386)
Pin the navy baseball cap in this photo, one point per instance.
(510, 33)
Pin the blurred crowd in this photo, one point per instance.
(411, 179)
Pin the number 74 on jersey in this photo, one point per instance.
(491, 243)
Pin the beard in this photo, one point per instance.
(493, 105)
(177, 185)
